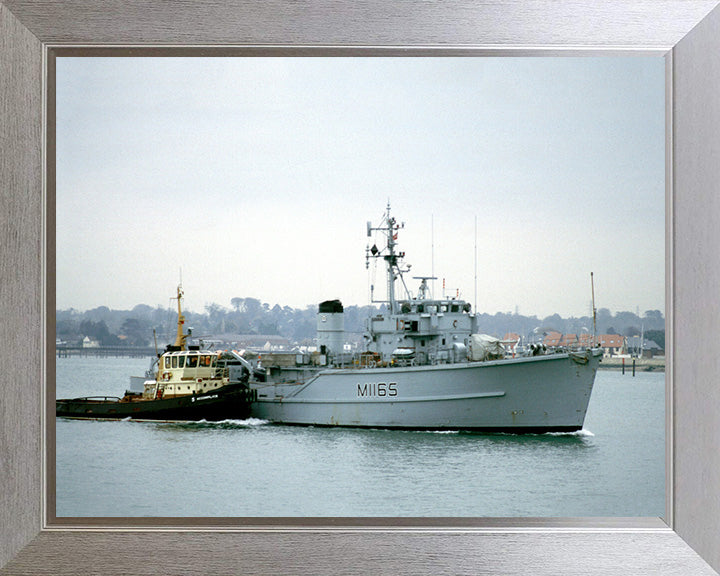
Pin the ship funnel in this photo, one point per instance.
(331, 327)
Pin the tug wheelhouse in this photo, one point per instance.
(188, 372)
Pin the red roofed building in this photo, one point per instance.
(552, 339)
(612, 343)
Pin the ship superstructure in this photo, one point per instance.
(419, 330)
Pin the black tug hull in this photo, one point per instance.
(230, 402)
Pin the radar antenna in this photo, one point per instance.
(423, 290)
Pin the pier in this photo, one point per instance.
(102, 351)
(656, 364)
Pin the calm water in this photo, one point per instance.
(614, 467)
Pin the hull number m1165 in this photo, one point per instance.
(379, 389)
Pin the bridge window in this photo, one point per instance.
(181, 361)
(174, 361)
(192, 360)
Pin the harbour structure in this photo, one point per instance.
(424, 366)
(183, 383)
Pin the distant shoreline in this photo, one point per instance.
(641, 364)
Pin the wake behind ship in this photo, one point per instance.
(424, 366)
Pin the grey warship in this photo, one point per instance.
(424, 367)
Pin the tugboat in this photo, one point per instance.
(424, 366)
(186, 383)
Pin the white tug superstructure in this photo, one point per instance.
(424, 366)
(184, 370)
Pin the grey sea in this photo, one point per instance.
(615, 466)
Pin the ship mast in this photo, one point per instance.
(180, 338)
(391, 260)
(389, 227)
(594, 311)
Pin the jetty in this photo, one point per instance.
(656, 364)
(103, 351)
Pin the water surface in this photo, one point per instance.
(614, 467)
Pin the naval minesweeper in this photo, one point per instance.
(424, 366)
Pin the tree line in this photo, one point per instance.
(138, 327)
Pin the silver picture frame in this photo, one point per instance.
(686, 32)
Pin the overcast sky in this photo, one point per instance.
(256, 176)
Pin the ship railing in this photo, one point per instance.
(344, 360)
(353, 360)
(539, 349)
(94, 398)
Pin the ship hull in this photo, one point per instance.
(526, 395)
(226, 403)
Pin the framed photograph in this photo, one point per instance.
(253, 172)
(31, 534)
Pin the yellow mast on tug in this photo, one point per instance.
(180, 338)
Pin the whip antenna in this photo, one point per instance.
(432, 254)
(475, 303)
(592, 287)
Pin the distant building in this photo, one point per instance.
(611, 343)
(652, 349)
(266, 342)
(88, 343)
(556, 339)
(552, 339)
(643, 348)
